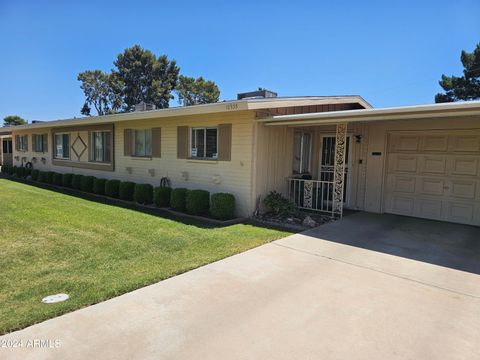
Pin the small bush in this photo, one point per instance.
(99, 186)
(222, 206)
(67, 180)
(41, 176)
(28, 172)
(178, 199)
(143, 193)
(49, 177)
(6, 169)
(20, 171)
(112, 188)
(35, 174)
(77, 181)
(86, 184)
(161, 196)
(197, 202)
(278, 205)
(14, 170)
(126, 190)
(57, 179)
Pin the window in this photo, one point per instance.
(100, 146)
(62, 146)
(204, 143)
(21, 143)
(7, 146)
(302, 152)
(142, 142)
(39, 142)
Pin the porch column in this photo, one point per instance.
(339, 169)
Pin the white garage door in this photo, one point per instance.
(435, 175)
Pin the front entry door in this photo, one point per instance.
(327, 163)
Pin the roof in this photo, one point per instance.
(225, 106)
(5, 132)
(443, 110)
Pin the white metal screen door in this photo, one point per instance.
(327, 163)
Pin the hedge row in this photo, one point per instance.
(196, 202)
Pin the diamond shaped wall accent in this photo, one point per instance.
(79, 147)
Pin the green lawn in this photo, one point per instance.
(53, 243)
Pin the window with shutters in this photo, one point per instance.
(204, 143)
(62, 146)
(22, 143)
(39, 141)
(142, 143)
(100, 146)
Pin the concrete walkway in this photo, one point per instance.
(366, 287)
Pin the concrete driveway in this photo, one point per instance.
(367, 287)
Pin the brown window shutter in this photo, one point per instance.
(182, 142)
(17, 142)
(157, 142)
(224, 142)
(26, 142)
(33, 142)
(45, 142)
(127, 142)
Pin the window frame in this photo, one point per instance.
(7, 144)
(92, 152)
(23, 143)
(134, 143)
(54, 144)
(36, 142)
(192, 138)
(308, 169)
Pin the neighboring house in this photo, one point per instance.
(5, 147)
(326, 153)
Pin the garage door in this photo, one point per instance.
(434, 175)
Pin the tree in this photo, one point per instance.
(466, 87)
(146, 77)
(12, 120)
(102, 91)
(193, 91)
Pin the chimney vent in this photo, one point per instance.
(259, 94)
(143, 106)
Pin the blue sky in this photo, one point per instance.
(391, 53)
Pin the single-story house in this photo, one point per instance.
(325, 153)
(5, 146)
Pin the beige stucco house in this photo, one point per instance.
(325, 153)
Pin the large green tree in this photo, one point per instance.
(193, 91)
(102, 91)
(146, 77)
(466, 87)
(12, 120)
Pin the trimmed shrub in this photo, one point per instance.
(6, 169)
(57, 179)
(67, 180)
(161, 196)
(20, 171)
(49, 177)
(112, 188)
(77, 181)
(222, 206)
(86, 184)
(13, 171)
(41, 176)
(99, 186)
(143, 193)
(198, 202)
(126, 190)
(178, 199)
(278, 205)
(35, 174)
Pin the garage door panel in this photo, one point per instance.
(467, 166)
(435, 143)
(434, 174)
(433, 165)
(464, 189)
(431, 186)
(465, 143)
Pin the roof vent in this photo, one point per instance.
(143, 106)
(259, 94)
